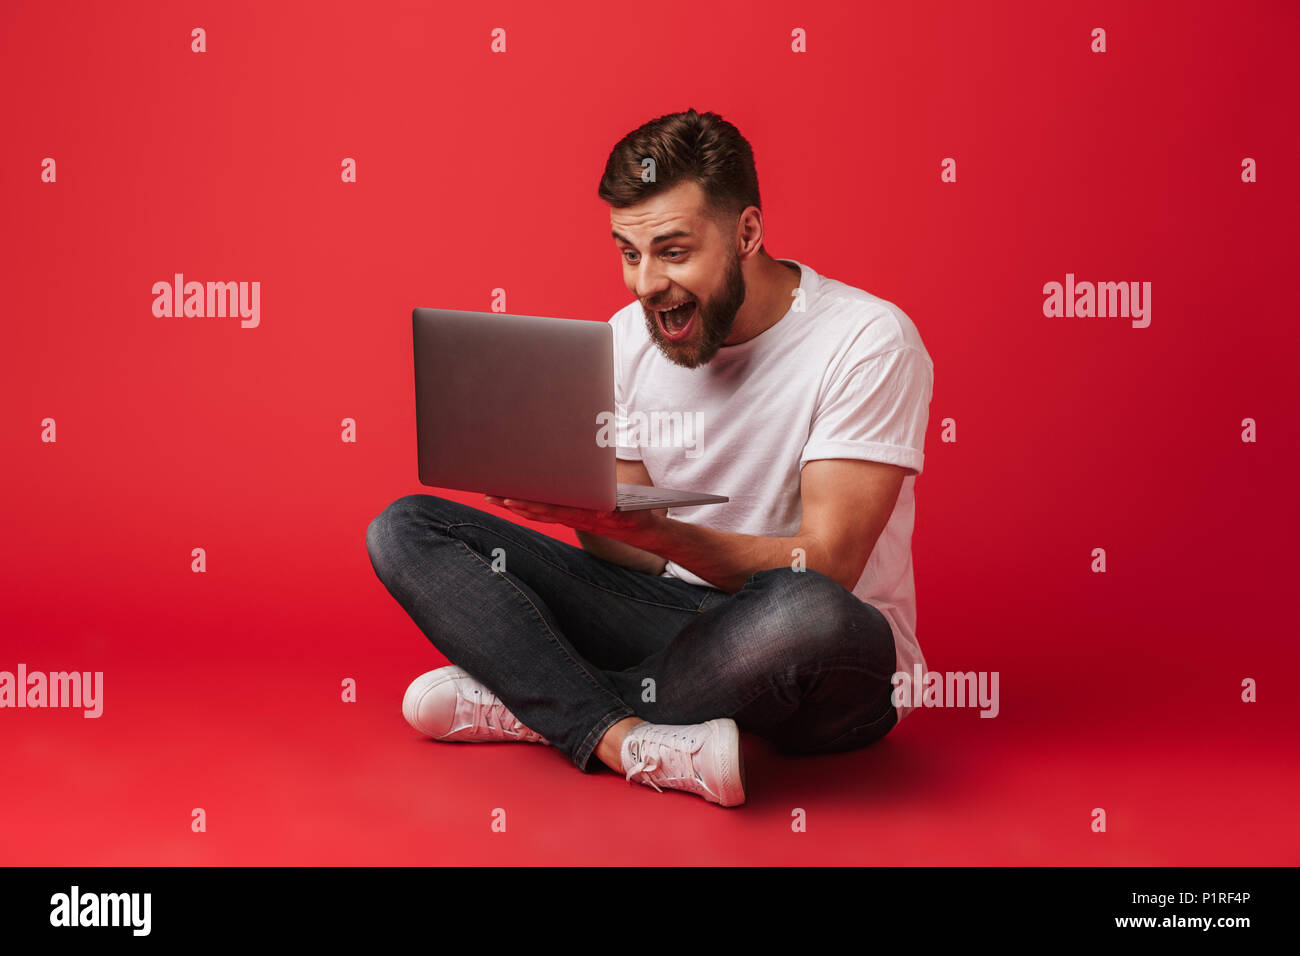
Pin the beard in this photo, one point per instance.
(714, 318)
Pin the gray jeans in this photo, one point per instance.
(572, 643)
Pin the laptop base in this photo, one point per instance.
(647, 497)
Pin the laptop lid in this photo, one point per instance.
(507, 405)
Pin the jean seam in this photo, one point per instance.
(566, 571)
(704, 600)
(541, 620)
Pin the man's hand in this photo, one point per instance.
(631, 527)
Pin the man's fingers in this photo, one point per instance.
(573, 517)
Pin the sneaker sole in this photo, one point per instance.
(728, 762)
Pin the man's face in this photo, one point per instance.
(674, 253)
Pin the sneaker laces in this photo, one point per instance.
(664, 754)
(492, 717)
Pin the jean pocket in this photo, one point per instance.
(712, 598)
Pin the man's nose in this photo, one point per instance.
(651, 280)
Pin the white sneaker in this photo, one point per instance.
(448, 704)
(699, 758)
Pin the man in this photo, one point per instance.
(784, 611)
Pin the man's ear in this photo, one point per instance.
(749, 233)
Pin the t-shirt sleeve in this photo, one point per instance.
(628, 447)
(877, 410)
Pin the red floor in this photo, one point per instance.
(288, 774)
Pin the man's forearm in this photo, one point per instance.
(727, 560)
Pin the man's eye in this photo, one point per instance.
(628, 253)
(674, 252)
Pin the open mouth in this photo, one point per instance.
(676, 323)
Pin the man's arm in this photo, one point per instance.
(845, 502)
(619, 552)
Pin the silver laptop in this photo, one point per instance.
(510, 406)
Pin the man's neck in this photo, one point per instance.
(767, 299)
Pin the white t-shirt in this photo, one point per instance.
(842, 375)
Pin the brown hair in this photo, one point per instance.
(690, 145)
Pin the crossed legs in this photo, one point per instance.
(581, 649)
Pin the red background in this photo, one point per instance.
(477, 171)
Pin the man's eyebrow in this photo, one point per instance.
(679, 234)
